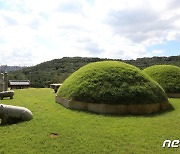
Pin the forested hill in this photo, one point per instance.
(57, 70)
(146, 62)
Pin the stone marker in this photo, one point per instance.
(11, 114)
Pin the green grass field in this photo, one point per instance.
(83, 132)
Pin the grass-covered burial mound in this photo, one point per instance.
(168, 76)
(112, 87)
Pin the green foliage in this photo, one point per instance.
(54, 71)
(81, 132)
(168, 76)
(46, 73)
(111, 82)
(146, 62)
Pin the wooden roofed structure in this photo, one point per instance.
(19, 84)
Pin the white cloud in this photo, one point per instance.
(158, 52)
(35, 31)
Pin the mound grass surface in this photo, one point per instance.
(82, 132)
(168, 76)
(111, 82)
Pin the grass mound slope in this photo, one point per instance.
(111, 82)
(168, 76)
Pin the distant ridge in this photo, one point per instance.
(57, 70)
(5, 68)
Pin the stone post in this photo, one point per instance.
(5, 81)
(1, 82)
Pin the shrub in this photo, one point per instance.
(111, 82)
(168, 76)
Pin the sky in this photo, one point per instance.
(35, 31)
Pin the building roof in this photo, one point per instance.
(56, 84)
(19, 82)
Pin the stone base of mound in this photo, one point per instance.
(173, 95)
(140, 109)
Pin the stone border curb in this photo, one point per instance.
(141, 109)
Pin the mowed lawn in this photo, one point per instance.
(83, 132)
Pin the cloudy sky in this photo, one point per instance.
(34, 31)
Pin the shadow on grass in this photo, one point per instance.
(6, 99)
(11, 122)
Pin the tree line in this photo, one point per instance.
(57, 70)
